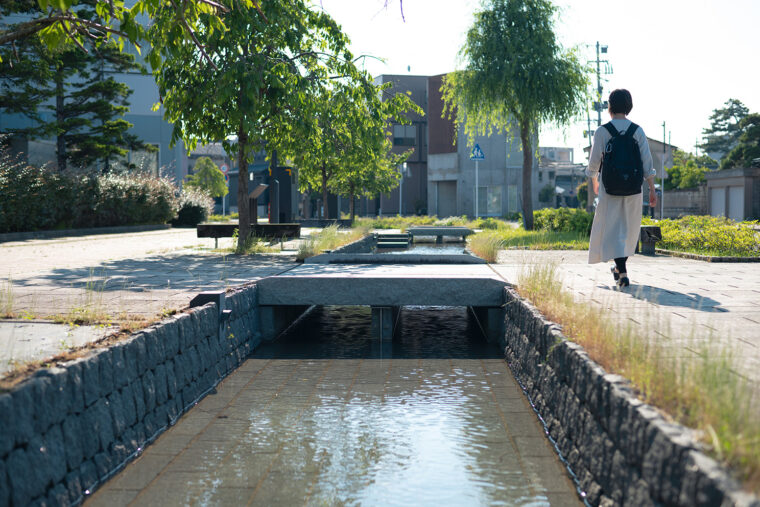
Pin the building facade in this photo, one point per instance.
(451, 178)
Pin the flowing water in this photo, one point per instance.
(325, 415)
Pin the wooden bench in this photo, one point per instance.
(439, 232)
(217, 231)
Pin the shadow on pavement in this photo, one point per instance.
(176, 272)
(666, 297)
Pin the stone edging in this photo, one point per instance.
(623, 451)
(62, 233)
(706, 258)
(67, 429)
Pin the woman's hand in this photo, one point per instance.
(652, 197)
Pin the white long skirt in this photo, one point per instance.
(616, 227)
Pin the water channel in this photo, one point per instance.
(325, 415)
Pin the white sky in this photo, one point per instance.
(680, 59)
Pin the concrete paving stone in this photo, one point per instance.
(112, 497)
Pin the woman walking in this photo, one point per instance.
(617, 220)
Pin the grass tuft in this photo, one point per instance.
(703, 392)
(330, 238)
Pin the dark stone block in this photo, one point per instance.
(74, 487)
(103, 465)
(118, 414)
(88, 475)
(128, 404)
(23, 413)
(171, 378)
(42, 394)
(91, 380)
(149, 390)
(73, 441)
(6, 423)
(185, 331)
(195, 364)
(150, 425)
(41, 468)
(131, 362)
(171, 338)
(129, 441)
(21, 478)
(180, 370)
(160, 382)
(56, 453)
(152, 350)
(105, 369)
(99, 425)
(120, 375)
(58, 495)
(139, 397)
(74, 389)
(5, 487)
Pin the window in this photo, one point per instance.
(141, 160)
(404, 135)
(540, 176)
(489, 201)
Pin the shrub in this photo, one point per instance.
(709, 235)
(36, 198)
(195, 206)
(563, 220)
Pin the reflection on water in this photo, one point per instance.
(424, 425)
(427, 249)
(323, 416)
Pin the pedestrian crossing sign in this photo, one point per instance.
(477, 153)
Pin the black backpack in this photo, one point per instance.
(622, 169)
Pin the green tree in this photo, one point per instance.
(747, 151)
(724, 130)
(207, 178)
(546, 194)
(346, 148)
(688, 171)
(84, 101)
(249, 87)
(516, 77)
(582, 193)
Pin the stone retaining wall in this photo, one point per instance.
(66, 429)
(622, 450)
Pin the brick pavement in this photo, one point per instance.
(684, 303)
(124, 276)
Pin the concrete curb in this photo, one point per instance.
(706, 258)
(623, 451)
(24, 236)
(67, 429)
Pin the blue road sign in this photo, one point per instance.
(477, 153)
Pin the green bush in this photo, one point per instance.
(195, 206)
(709, 235)
(36, 198)
(563, 220)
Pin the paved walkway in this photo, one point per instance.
(135, 276)
(685, 303)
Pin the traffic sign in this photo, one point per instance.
(224, 168)
(477, 153)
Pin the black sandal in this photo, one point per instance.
(623, 282)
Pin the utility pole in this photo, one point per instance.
(662, 179)
(599, 106)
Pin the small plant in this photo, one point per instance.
(6, 299)
(563, 220)
(487, 245)
(702, 392)
(330, 238)
(194, 207)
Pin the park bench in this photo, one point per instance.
(439, 232)
(217, 231)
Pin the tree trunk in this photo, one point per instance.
(351, 206)
(527, 173)
(59, 118)
(325, 213)
(244, 218)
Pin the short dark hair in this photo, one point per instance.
(621, 101)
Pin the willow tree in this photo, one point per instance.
(250, 85)
(516, 77)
